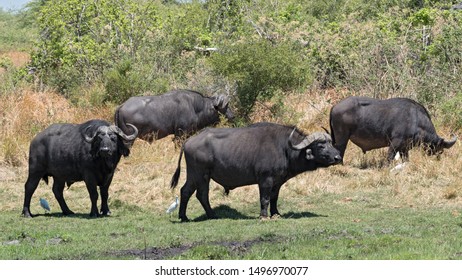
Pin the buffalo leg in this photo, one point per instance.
(274, 200)
(265, 194)
(58, 190)
(341, 137)
(397, 146)
(186, 192)
(405, 155)
(341, 148)
(104, 198)
(202, 195)
(29, 189)
(93, 192)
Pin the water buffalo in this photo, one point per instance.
(265, 154)
(397, 123)
(178, 112)
(71, 153)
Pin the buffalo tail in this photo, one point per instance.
(116, 116)
(331, 127)
(176, 175)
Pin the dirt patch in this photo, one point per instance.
(6, 174)
(152, 253)
(238, 248)
(18, 59)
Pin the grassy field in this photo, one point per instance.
(359, 210)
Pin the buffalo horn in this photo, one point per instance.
(317, 136)
(88, 138)
(450, 143)
(221, 101)
(126, 137)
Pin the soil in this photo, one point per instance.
(18, 59)
(237, 248)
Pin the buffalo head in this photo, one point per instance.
(220, 103)
(318, 147)
(441, 144)
(105, 142)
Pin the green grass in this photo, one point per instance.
(327, 231)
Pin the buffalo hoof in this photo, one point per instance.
(184, 220)
(108, 213)
(68, 212)
(27, 214)
(264, 218)
(275, 216)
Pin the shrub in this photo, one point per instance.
(122, 82)
(452, 111)
(260, 70)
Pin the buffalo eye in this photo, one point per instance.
(321, 146)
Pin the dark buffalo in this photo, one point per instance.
(397, 123)
(263, 154)
(71, 153)
(178, 112)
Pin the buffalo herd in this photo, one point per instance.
(266, 154)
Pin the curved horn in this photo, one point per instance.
(85, 134)
(126, 137)
(316, 136)
(305, 142)
(450, 143)
(220, 101)
(225, 101)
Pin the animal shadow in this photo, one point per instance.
(226, 212)
(74, 216)
(301, 215)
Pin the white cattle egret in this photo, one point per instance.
(44, 204)
(398, 167)
(172, 206)
(397, 156)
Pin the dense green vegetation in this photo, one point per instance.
(261, 50)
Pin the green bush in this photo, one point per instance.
(122, 82)
(452, 111)
(260, 70)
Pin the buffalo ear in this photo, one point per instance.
(94, 149)
(122, 148)
(309, 154)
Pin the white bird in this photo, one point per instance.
(172, 206)
(397, 156)
(44, 204)
(398, 167)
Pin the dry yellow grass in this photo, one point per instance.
(143, 178)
